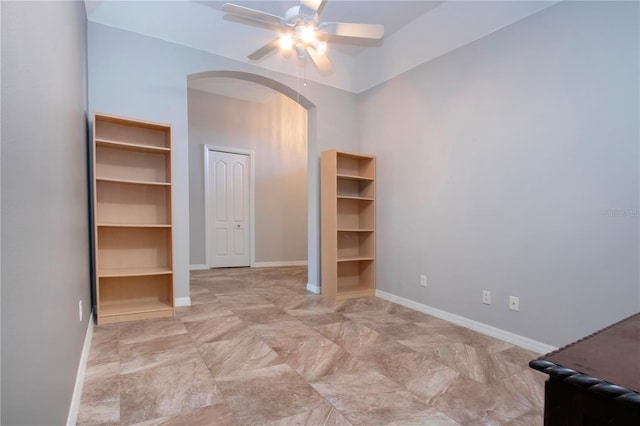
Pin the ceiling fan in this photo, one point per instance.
(301, 29)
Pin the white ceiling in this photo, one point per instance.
(415, 31)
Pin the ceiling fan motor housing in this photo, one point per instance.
(295, 16)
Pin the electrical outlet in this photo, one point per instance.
(486, 297)
(423, 280)
(80, 310)
(514, 303)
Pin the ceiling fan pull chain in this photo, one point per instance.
(298, 84)
(305, 72)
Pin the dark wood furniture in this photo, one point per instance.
(596, 380)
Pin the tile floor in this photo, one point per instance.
(255, 348)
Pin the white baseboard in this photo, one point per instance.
(258, 265)
(182, 301)
(72, 418)
(507, 336)
(276, 264)
(198, 267)
(313, 288)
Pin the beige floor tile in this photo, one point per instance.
(217, 414)
(408, 314)
(261, 314)
(475, 362)
(282, 297)
(417, 372)
(528, 419)
(325, 415)
(368, 398)
(318, 316)
(290, 327)
(519, 357)
(365, 304)
(217, 329)
(378, 321)
(237, 356)
(255, 348)
(166, 391)
(403, 331)
(103, 349)
(528, 387)
(100, 403)
(430, 417)
(469, 402)
(99, 372)
(314, 358)
(243, 300)
(475, 339)
(428, 342)
(197, 288)
(383, 347)
(156, 353)
(142, 331)
(202, 312)
(268, 395)
(350, 335)
(228, 286)
(203, 298)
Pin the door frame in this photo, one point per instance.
(207, 228)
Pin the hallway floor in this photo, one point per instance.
(255, 348)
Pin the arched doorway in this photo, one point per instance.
(260, 86)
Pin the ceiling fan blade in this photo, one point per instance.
(344, 29)
(320, 61)
(248, 13)
(308, 8)
(265, 50)
(252, 22)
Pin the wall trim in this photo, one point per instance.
(72, 418)
(276, 264)
(182, 301)
(313, 288)
(507, 336)
(198, 267)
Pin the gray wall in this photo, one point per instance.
(45, 257)
(499, 166)
(138, 76)
(276, 131)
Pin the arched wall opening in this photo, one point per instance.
(196, 185)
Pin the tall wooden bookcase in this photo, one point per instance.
(132, 219)
(348, 239)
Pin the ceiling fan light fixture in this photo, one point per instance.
(307, 34)
(286, 42)
(319, 46)
(300, 51)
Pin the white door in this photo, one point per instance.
(228, 209)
